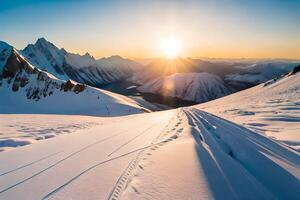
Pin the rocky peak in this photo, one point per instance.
(87, 55)
(43, 43)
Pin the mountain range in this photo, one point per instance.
(193, 80)
(81, 68)
(25, 88)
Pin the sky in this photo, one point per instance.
(137, 28)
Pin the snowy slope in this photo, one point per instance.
(26, 89)
(198, 87)
(81, 68)
(211, 158)
(272, 108)
(82, 165)
(183, 154)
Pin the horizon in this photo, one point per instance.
(212, 30)
(160, 57)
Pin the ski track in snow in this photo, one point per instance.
(60, 161)
(78, 153)
(29, 164)
(163, 138)
(263, 151)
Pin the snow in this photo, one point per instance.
(91, 101)
(46, 56)
(198, 87)
(176, 154)
(81, 165)
(79, 61)
(271, 109)
(23, 129)
(211, 158)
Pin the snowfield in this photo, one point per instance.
(175, 154)
(17, 130)
(82, 165)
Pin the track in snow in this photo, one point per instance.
(232, 151)
(168, 134)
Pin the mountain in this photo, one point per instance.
(81, 68)
(227, 76)
(197, 87)
(260, 71)
(27, 89)
(247, 72)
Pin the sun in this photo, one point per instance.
(171, 48)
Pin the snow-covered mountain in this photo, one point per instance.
(226, 76)
(27, 89)
(245, 71)
(81, 68)
(197, 87)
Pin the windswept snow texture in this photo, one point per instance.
(17, 130)
(197, 87)
(26, 89)
(175, 154)
(272, 109)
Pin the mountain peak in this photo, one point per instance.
(41, 40)
(3, 45)
(116, 57)
(88, 55)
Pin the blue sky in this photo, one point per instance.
(224, 28)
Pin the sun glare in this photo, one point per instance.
(171, 48)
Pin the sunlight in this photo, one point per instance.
(171, 48)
